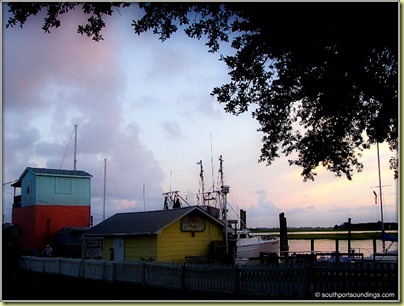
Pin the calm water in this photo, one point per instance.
(328, 245)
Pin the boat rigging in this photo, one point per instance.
(246, 245)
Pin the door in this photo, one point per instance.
(119, 249)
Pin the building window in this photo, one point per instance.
(63, 185)
(28, 192)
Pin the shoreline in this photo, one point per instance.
(343, 235)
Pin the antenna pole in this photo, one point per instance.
(105, 181)
(380, 194)
(75, 146)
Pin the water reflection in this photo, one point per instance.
(329, 245)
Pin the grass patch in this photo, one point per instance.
(334, 236)
(324, 233)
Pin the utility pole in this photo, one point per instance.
(75, 146)
(144, 197)
(105, 183)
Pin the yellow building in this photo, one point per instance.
(161, 235)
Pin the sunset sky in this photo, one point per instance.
(146, 107)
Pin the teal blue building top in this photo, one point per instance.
(41, 186)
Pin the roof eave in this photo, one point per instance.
(121, 234)
(62, 175)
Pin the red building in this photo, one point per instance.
(50, 200)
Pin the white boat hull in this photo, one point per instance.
(388, 257)
(247, 249)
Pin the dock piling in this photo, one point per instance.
(284, 247)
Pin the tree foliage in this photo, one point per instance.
(321, 78)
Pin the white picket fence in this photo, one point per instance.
(212, 278)
(264, 281)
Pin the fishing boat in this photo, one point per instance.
(252, 246)
(247, 244)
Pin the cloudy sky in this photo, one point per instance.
(145, 106)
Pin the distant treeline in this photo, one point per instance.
(370, 226)
(367, 226)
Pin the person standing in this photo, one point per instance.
(47, 251)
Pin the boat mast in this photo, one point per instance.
(202, 182)
(225, 190)
(75, 146)
(223, 212)
(380, 194)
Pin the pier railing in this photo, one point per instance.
(297, 280)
